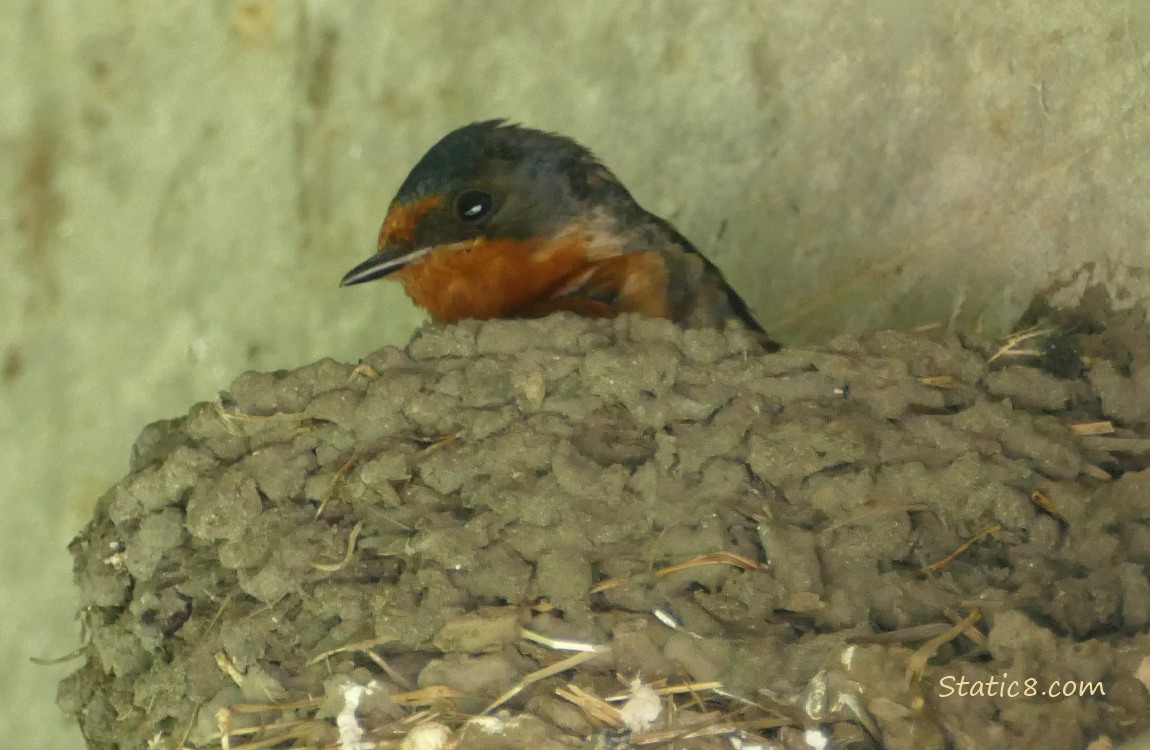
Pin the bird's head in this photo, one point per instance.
(488, 180)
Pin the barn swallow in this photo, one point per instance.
(502, 221)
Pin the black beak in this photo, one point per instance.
(375, 267)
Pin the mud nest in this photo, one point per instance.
(577, 533)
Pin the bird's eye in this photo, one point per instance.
(473, 205)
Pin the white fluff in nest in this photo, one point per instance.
(350, 732)
(429, 736)
(642, 708)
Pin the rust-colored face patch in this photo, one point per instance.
(508, 278)
(399, 226)
(485, 278)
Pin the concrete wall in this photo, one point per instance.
(183, 183)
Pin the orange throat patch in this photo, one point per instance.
(509, 278)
